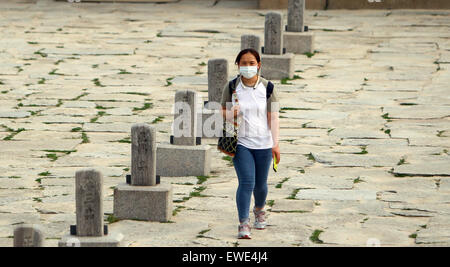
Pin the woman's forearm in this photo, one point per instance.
(274, 124)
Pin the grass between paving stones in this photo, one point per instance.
(97, 82)
(102, 107)
(13, 133)
(201, 179)
(201, 233)
(41, 81)
(358, 180)
(286, 80)
(123, 71)
(158, 119)
(401, 162)
(135, 93)
(177, 209)
(111, 219)
(76, 129)
(439, 134)
(45, 174)
(168, 81)
(363, 151)
(310, 55)
(280, 184)
(41, 53)
(53, 72)
(198, 192)
(310, 157)
(388, 131)
(126, 140)
(294, 194)
(84, 138)
(80, 96)
(145, 107)
(99, 115)
(315, 237)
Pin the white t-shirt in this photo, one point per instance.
(254, 131)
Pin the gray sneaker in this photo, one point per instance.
(260, 219)
(244, 230)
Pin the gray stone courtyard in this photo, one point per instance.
(365, 123)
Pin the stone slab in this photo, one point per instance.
(325, 194)
(298, 42)
(174, 161)
(149, 203)
(113, 239)
(277, 67)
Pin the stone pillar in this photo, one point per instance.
(275, 65)
(295, 39)
(28, 236)
(185, 121)
(296, 10)
(90, 230)
(251, 41)
(143, 155)
(273, 41)
(217, 78)
(89, 203)
(144, 198)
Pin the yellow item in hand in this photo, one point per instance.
(275, 166)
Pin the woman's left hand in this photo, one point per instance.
(276, 152)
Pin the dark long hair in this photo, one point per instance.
(245, 51)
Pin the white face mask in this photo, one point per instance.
(248, 71)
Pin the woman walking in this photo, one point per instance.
(255, 104)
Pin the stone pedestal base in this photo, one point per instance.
(146, 203)
(211, 120)
(111, 240)
(277, 67)
(298, 42)
(177, 161)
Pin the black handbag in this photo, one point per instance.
(228, 141)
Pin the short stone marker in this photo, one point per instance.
(209, 120)
(185, 119)
(143, 198)
(217, 78)
(251, 41)
(28, 235)
(296, 39)
(275, 64)
(184, 156)
(90, 230)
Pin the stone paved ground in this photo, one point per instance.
(365, 133)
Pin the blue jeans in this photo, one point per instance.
(252, 168)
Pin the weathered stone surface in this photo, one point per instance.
(150, 203)
(173, 160)
(273, 30)
(185, 121)
(296, 10)
(251, 41)
(298, 43)
(143, 155)
(277, 67)
(217, 78)
(28, 236)
(89, 202)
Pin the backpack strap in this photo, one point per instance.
(232, 85)
(269, 89)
